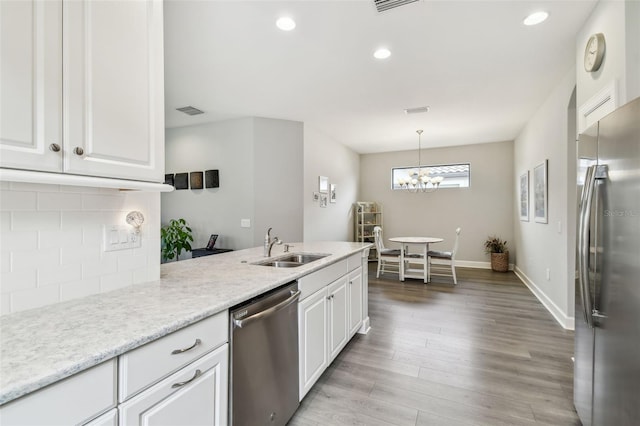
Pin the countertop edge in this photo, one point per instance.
(19, 388)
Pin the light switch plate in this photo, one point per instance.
(245, 223)
(120, 237)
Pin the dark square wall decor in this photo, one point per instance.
(181, 181)
(168, 179)
(212, 179)
(196, 180)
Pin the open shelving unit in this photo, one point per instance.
(368, 216)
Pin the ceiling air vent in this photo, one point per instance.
(383, 5)
(189, 110)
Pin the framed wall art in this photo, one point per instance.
(524, 196)
(540, 196)
(323, 184)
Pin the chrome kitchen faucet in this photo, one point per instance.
(268, 243)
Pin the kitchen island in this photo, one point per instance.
(43, 346)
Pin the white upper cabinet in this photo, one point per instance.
(31, 84)
(91, 81)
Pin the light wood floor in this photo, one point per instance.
(484, 352)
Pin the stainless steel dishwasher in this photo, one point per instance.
(264, 359)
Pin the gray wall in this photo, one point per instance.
(324, 156)
(278, 171)
(485, 208)
(548, 136)
(259, 161)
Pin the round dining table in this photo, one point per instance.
(407, 258)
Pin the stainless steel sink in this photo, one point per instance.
(280, 264)
(301, 257)
(292, 260)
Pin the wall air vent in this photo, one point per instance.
(189, 110)
(417, 110)
(383, 5)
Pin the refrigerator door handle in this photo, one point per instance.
(593, 172)
(583, 243)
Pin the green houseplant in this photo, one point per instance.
(497, 248)
(176, 237)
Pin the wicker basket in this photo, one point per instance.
(500, 262)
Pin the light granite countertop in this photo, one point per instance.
(44, 345)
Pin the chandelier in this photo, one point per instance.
(418, 180)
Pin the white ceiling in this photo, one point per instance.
(482, 72)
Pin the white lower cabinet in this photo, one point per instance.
(71, 401)
(195, 395)
(313, 338)
(338, 316)
(329, 314)
(355, 288)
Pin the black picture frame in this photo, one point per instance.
(212, 241)
(181, 181)
(196, 180)
(211, 179)
(168, 179)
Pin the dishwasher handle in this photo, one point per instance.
(288, 301)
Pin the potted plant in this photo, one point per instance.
(497, 248)
(176, 237)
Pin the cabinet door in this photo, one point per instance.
(355, 301)
(113, 102)
(184, 398)
(110, 418)
(338, 317)
(30, 84)
(312, 339)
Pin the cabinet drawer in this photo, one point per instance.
(194, 395)
(71, 401)
(147, 364)
(313, 282)
(354, 261)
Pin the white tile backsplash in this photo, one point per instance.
(59, 201)
(57, 238)
(115, 281)
(77, 289)
(51, 243)
(33, 259)
(59, 274)
(35, 221)
(34, 298)
(19, 280)
(18, 240)
(18, 201)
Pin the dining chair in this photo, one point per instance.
(445, 257)
(388, 259)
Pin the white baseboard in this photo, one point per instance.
(565, 321)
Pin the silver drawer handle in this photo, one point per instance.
(54, 147)
(179, 351)
(78, 151)
(197, 374)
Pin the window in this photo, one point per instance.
(455, 175)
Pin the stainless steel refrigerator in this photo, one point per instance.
(607, 334)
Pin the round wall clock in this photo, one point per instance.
(594, 52)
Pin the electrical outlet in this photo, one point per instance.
(245, 223)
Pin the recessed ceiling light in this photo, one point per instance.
(536, 18)
(285, 23)
(382, 53)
